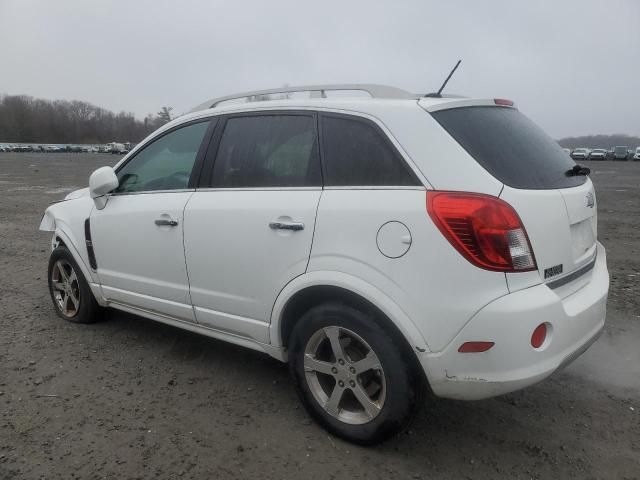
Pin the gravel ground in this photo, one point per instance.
(129, 398)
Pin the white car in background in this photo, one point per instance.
(636, 155)
(580, 153)
(598, 154)
(376, 245)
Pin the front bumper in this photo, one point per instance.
(574, 323)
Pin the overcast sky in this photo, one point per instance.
(572, 66)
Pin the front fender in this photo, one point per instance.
(355, 285)
(66, 221)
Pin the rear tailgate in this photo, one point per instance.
(562, 230)
(557, 209)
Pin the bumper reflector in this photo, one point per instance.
(475, 347)
(539, 335)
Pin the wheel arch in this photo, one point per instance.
(61, 237)
(317, 287)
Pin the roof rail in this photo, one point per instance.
(376, 91)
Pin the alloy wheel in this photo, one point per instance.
(344, 375)
(65, 288)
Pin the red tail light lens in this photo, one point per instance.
(487, 231)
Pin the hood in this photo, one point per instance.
(83, 192)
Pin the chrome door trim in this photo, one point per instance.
(149, 192)
(258, 189)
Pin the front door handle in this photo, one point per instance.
(286, 226)
(166, 222)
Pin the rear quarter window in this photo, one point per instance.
(355, 152)
(510, 147)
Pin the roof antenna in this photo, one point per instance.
(439, 93)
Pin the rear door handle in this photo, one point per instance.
(286, 226)
(166, 222)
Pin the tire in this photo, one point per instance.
(71, 296)
(394, 390)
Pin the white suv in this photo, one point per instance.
(380, 245)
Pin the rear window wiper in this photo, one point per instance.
(577, 170)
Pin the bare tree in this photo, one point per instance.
(165, 114)
(28, 119)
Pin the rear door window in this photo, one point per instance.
(510, 147)
(355, 153)
(265, 151)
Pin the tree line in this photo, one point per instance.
(24, 119)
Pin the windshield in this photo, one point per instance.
(510, 147)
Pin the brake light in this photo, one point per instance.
(487, 231)
(503, 102)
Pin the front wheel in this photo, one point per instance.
(350, 374)
(69, 289)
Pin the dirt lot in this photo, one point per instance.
(129, 398)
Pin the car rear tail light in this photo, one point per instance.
(503, 102)
(539, 335)
(487, 231)
(475, 347)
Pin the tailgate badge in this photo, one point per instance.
(552, 271)
(591, 200)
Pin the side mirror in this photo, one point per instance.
(101, 182)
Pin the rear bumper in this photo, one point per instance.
(574, 323)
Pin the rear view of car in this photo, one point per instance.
(580, 154)
(620, 153)
(542, 233)
(598, 154)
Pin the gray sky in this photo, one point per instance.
(572, 66)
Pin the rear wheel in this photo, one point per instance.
(350, 375)
(70, 291)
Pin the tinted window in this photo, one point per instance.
(510, 147)
(355, 154)
(165, 164)
(268, 151)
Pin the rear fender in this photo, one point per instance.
(355, 285)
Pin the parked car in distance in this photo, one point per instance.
(52, 149)
(580, 153)
(636, 155)
(325, 233)
(620, 153)
(118, 148)
(598, 154)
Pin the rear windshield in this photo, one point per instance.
(510, 147)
